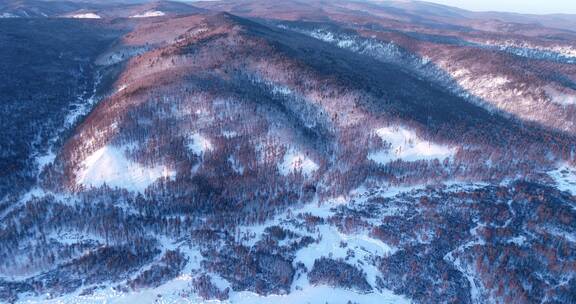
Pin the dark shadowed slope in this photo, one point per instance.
(46, 73)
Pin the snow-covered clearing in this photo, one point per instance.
(364, 247)
(565, 177)
(561, 98)
(295, 161)
(199, 144)
(109, 165)
(486, 86)
(331, 243)
(171, 292)
(407, 146)
(320, 294)
(149, 14)
(86, 16)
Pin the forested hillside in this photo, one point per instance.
(244, 152)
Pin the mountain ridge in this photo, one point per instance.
(313, 151)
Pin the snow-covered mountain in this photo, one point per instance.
(91, 9)
(287, 152)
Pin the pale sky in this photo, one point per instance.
(518, 6)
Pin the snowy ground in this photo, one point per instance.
(329, 243)
(199, 144)
(149, 14)
(364, 247)
(320, 294)
(171, 293)
(407, 146)
(295, 161)
(561, 98)
(565, 177)
(109, 166)
(86, 16)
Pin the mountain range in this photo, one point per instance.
(252, 151)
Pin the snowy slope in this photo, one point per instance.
(109, 166)
(407, 146)
(199, 144)
(86, 16)
(295, 161)
(565, 178)
(149, 14)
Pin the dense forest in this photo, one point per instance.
(225, 153)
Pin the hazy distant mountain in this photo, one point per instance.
(91, 9)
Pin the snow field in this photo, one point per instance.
(109, 165)
(86, 16)
(565, 178)
(149, 14)
(295, 161)
(407, 146)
